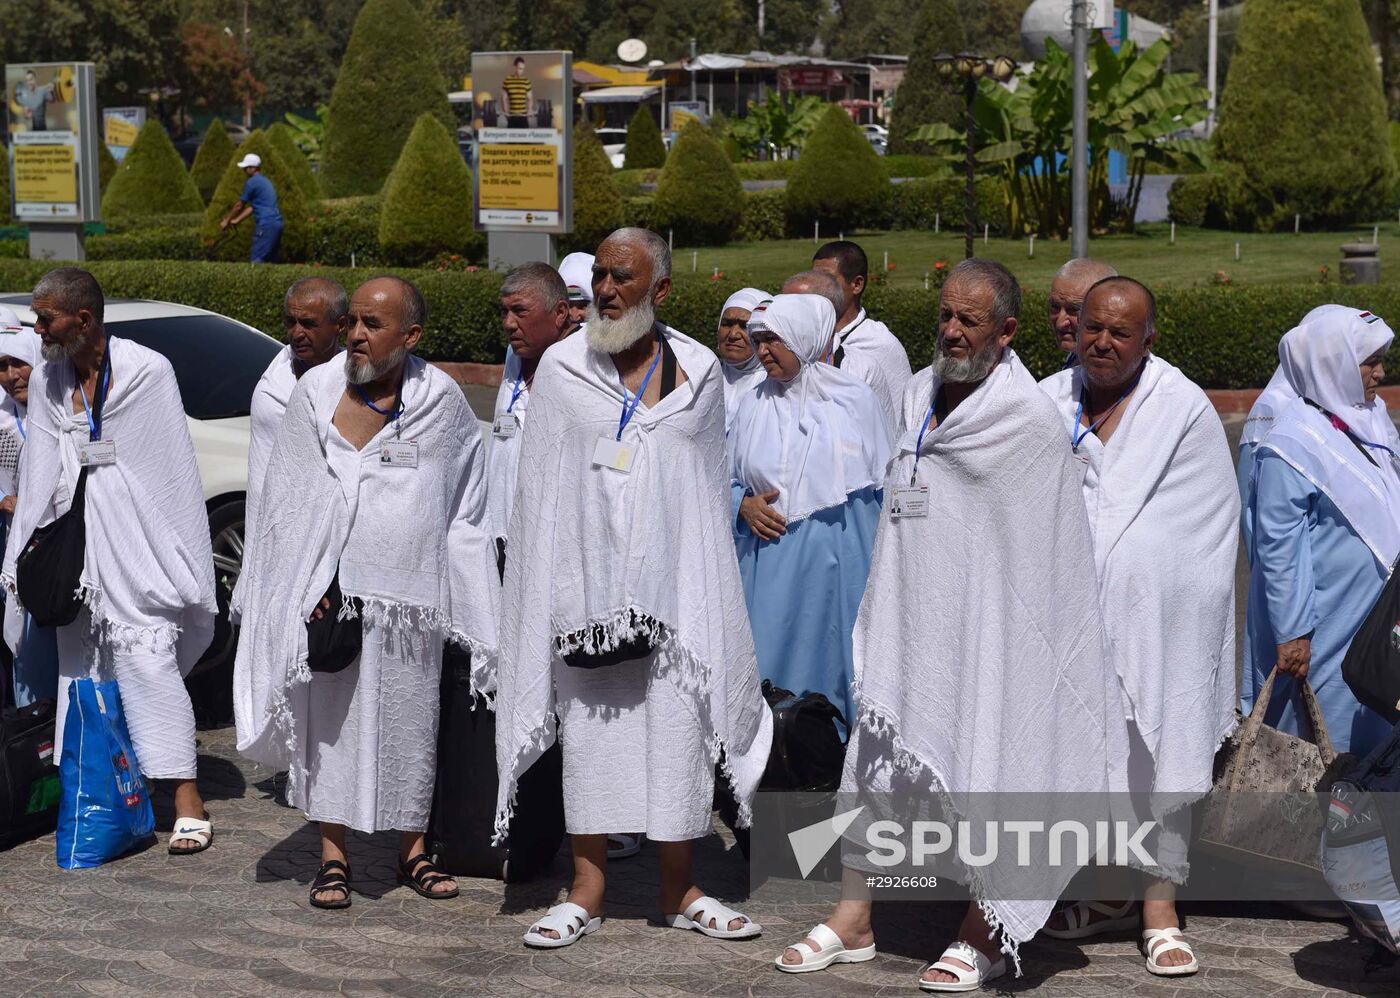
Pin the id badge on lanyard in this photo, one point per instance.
(911, 501)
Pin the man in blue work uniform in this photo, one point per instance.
(259, 199)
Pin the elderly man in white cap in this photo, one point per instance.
(259, 199)
(35, 672)
(577, 271)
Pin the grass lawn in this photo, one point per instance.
(1149, 255)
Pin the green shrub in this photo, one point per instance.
(387, 79)
(281, 136)
(698, 195)
(151, 180)
(764, 216)
(638, 212)
(106, 167)
(14, 249)
(1315, 144)
(769, 169)
(290, 201)
(150, 243)
(597, 204)
(914, 165)
(838, 177)
(1191, 198)
(215, 151)
(923, 97)
(427, 198)
(644, 149)
(929, 203)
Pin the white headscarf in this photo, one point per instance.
(1327, 359)
(748, 299)
(1282, 387)
(577, 271)
(820, 436)
(740, 378)
(19, 343)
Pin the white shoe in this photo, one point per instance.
(703, 910)
(983, 970)
(1155, 942)
(830, 950)
(570, 920)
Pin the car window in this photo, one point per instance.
(217, 361)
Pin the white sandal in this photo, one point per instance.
(570, 920)
(967, 980)
(1155, 942)
(622, 846)
(830, 950)
(197, 830)
(1081, 925)
(700, 913)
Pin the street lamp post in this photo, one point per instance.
(969, 69)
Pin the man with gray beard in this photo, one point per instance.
(370, 554)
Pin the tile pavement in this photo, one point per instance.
(235, 921)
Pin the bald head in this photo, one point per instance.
(384, 325)
(1067, 290)
(816, 282)
(1116, 329)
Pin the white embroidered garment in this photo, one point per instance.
(408, 541)
(870, 352)
(148, 575)
(992, 680)
(1164, 508)
(593, 547)
(817, 438)
(503, 456)
(739, 378)
(1328, 358)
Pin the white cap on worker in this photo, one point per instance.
(252, 159)
(9, 321)
(577, 271)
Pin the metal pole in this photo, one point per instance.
(969, 165)
(692, 69)
(1212, 50)
(1079, 161)
(760, 23)
(248, 98)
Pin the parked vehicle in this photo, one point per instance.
(614, 144)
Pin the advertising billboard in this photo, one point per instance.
(522, 112)
(120, 126)
(683, 112)
(52, 121)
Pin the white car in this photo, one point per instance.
(615, 145)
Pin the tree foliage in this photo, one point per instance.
(383, 86)
(290, 202)
(644, 150)
(838, 177)
(213, 156)
(151, 179)
(428, 197)
(283, 139)
(214, 71)
(597, 202)
(1318, 146)
(923, 96)
(778, 126)
(106, 167)
(699, 192)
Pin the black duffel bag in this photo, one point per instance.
(1372, 663)
(808, 749)
(331, 643)
(29, 788)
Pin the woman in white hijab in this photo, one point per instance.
(740, 365)
(1326, 523)
(808, 450)
(36, 651)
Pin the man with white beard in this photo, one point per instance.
(623, 613)
(370, 555)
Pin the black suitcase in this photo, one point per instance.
(29, 789)
(464, 797)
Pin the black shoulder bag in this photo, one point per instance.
(641, 646)
(49, 570)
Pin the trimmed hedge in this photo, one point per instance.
(290, 202)
(427, 198)
(924, 97)
(213, 155)
(598, 208)
(1190, 198)
(151, 179)
(699, 194)
(922, 203)
(838, 179)
(280, 135)
(106, 167)
(644, 149)
(764, 216)
(1221, 337)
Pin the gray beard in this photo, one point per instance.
(55, 352)
(612, 336)
(961, 372)
(363, 374)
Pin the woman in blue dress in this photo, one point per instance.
(1325, 524)
(808, 450)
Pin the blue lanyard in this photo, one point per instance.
(19, 425)
(1077, 438)
(515, 393)
(628, 410)
(394, 414)
(94, 425)
(928, 418)
(1368, 443)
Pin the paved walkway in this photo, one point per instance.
(235, 921)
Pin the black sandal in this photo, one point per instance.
(419, 873)
(329, 879)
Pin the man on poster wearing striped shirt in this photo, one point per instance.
(517, 96)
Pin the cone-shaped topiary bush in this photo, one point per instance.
(387, 79)
(699, 195)
(644, 150)
(838, 177)
(280, 135)
(1317, 146)
(106, 167)
(290, 201)
(923, 98)
(151, 180)
(597, 201)
(427, 198)
(215, 151)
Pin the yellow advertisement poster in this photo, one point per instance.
(45, 173)
(518, 176)
(120, 132)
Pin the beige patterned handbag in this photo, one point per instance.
(1262, 809)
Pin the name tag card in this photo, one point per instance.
(909, 501)
(506, 426)
(614, 454)
(399, 454)
(93, 453)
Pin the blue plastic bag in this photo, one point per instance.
(105, 810)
